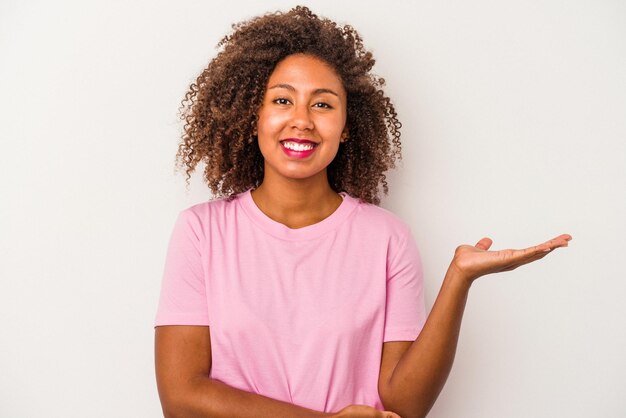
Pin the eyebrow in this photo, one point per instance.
(291, 88)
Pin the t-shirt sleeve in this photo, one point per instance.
(405, 312)
(183, 291)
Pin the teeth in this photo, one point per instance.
(297, 147)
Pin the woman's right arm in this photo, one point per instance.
(183, 362)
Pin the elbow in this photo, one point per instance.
(186, 400)
(405, 413)
(405, 409)
(172, 409)
(410, 411)
(419, 414)
(168, 413)
(175, 405)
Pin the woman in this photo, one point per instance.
(293, 294)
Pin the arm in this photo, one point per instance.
(414, 373)
(183, 362)
(183, 352)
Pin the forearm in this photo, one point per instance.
(423, 370)
(206, 397)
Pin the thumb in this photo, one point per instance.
(484, 243)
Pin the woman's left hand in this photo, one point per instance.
(472, 262)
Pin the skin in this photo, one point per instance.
(296, 193)
(304, 99)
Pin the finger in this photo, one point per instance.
(548, 246)
(557, 242)
(484, 243)
(521, 257)
(531, 254)
(389, 414)
(512, 259)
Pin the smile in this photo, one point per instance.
(298, 147)
(293, 149)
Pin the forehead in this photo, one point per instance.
(306, 71)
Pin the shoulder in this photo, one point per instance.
(375, 227)
(212, 207)
(381, 220)
(201, 216)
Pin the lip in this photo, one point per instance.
(299, 141)
(298, 154)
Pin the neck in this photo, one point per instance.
(296, 202)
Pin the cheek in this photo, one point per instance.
(269, 128)
(332, 127)
(269, 123)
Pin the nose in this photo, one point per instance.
(301, 118)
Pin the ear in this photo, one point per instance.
(345, 134)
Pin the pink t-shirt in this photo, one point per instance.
(298, 315)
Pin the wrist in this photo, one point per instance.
(456, 278)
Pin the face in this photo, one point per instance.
(302, 118)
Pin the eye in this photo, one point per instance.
(281, 101)
(323, 105)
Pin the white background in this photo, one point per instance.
(514, 127)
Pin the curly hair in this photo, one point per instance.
(220, 108)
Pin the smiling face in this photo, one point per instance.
(302, 119)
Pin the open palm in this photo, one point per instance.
(475, 261)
